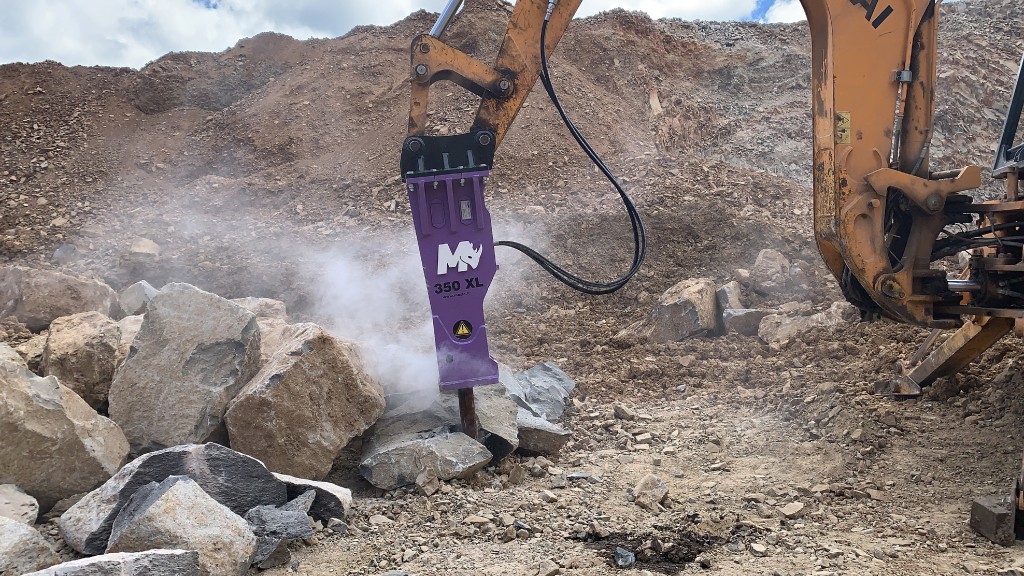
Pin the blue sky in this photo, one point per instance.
(134, 32)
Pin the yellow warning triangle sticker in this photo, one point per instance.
(462, 328)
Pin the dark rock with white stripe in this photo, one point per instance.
(235, 480)
(178, 514)
(330, 501)
(148, 563)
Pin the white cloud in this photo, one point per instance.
(785, 11)
(685, 9)
(134, 32)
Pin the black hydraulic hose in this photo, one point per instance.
(639, 231)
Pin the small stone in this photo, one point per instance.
(517, 475)
(624, 413)
(624, 558)
(793, 510)
(548, 496)
(758, 549)
(857, 434)
(993, 517)
(650, 492)
(547, 568)
(559, 481)
(475, 519)
(337, 526)
(378, 519)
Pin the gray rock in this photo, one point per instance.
(54, 445)
(543, 389)
(194, 352)
(730, 295)
(396, 461)
(650, 491)
(178, 514)
(743, 320)
(310, 400)
(37, 297)
(687, 309)
(232, 479)
(23, 549)
(11, 356)
(624, 558)
(279, 557)
(770, 274)
(148, 563)
(136, 298)
(496, 412)
(780, 328)
(274, 526)
(263, 307)
(82, 352)
(538, 436)
(331, 500)
(17, 505)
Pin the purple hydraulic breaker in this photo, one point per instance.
(453, 229)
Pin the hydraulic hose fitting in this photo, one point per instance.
(551, 8)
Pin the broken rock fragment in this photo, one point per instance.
(744, 321)
(274, 526)
(38, 297)
(148, 563)
(687, 309)
(235, 480)
(178, 514)
(136, 298)
(780, 328)
(538, 436)
(193, 353)
(331, 500)
(305, 405)
(263, 307)
(396, 461)
(82, 352)
(543, 389)
(52, 444)
(649, 492)
(770, 273)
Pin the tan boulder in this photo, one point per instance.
(305, 405)
(38, 297)
(82, 352)
(54, 444)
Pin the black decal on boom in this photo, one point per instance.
(869, 11)
(881, 17)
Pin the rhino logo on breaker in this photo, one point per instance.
(464, 257)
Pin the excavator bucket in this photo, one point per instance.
(453, 230)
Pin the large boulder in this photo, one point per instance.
(177, 514)
(53, 444)
(82, 352)
(396, 461)
(38, 297)
(148, 563)
(17, 505)
(689, 308)
(235, 480)
(777, 328)
(193, 353)
(11, 356)
(310, 400)
(23, 549)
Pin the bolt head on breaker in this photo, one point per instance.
(453, 231)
